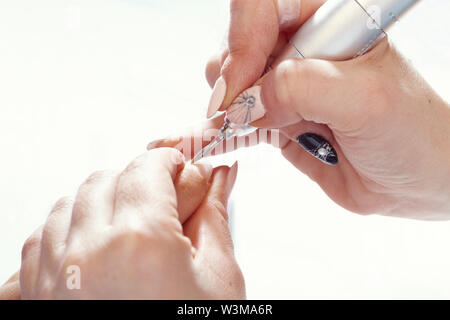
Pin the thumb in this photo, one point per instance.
(337, 94)
(314, 90)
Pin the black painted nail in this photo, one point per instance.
(318, 147)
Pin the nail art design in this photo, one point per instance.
(318, 147)
(247, 107)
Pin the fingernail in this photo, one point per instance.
(318, 147)
(154, 143)
(247, 107)
(167, 142)
(205, 169)
(231, 178)
(288, 13)
(218, 94)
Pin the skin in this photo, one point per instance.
(390, 129)
(167, 218)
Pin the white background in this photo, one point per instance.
(85, 85)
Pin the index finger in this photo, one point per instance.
(254, 36)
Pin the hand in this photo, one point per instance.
(157, 230)
(390, 130)
(11, 289)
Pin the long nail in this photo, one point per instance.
(219, 91)
(247, 107)
(318, 147)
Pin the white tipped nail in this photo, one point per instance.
(219, 91)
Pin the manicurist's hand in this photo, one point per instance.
(157, 230)
(389, 130)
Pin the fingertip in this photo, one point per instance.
(205, 169)
(222, 183)
(231, 178)
(212, 69)
(288, 14)
(217, 97)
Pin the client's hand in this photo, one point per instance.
(157, 230)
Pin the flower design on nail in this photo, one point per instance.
(244, 105)
(247, 107)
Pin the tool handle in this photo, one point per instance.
(344, 29)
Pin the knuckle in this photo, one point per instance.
(157, 155)
(134, 189)
(131, 237)
(44, 291)
(217, 207)
(63, 203)
(98, 176)
(31, 243)
(289, 73)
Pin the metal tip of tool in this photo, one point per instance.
(197, 157)
(208, 148)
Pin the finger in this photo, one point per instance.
(191, 185)
(212, 70)
(56, 230)
(253, 34)
(315, 138)
(193, 139)
(145, 189)
(13, 278)
(208, 227)
(331, 93)
(337, 182)
(11, 289)
(209, 233)
(94, 203)
(29, 270)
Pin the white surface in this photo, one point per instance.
(84, 85)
